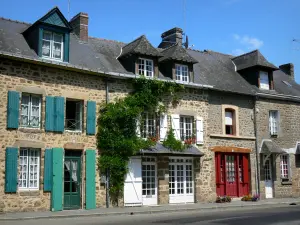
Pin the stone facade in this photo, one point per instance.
(287, 138)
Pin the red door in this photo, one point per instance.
(232, 174)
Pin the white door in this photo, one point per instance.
(149, 189)
(133, 183)
(268, 179)
(181, 180)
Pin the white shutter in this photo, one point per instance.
(163, 126)
(289, 167)
(138, 126)
(199, 130)
(176, 125)
(270, 123)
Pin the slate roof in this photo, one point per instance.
(212, 69)
(140, 46)
(176, 52)
(250, 59)
(160, 149)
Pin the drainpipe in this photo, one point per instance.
(107, 171)
(256, 148)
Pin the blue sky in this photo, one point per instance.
(227, 26)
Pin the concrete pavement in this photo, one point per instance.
(288, 215)
(235, 205)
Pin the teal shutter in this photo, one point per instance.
(90, 190)
(48, 170)
(11, 169)
(49, 123)
(66, 47)
(91, 118)
(59, 114)
(13, 98)
(57, 179)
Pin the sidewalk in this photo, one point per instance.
(150, 209)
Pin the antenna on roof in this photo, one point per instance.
(184, 15)
(296, 40)
(69, 3)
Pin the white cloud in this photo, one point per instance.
(250, 42)
(237, 52)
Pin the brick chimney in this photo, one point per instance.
(80, 24)
(288, 69)
(171, 37)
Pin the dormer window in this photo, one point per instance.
(146, 67)
(264, 82)
(52, 45)
(182, 73)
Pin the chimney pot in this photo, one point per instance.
(288, 69)
(171, 37)
(80, 24)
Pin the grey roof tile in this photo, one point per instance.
(176, 52)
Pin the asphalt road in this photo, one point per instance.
(274, 216)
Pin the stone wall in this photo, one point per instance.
(287, 138)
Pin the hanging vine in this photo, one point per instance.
(117, 138)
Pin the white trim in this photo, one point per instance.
(184, 123)
(30, 111)
(52, 42)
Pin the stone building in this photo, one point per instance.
(54, 78)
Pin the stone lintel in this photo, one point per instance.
(75, 95)
(31, 90)
(28, 144)
(231, 136)
(230, 149)
(74, 146)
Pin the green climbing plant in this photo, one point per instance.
(117, 138)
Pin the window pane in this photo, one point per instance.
(57, 54)
(46, 36)
(46, 52)
(57, 37)
(228, 118)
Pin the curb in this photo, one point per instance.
(203, 209)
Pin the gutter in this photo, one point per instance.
(257, 149)
(280, 96)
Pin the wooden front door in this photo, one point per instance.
(72, 180)
(232, 177)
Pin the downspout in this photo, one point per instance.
(256, 148)
(107, 171)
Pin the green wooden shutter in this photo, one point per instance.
(49, 123)
(11, 169)
(48, 170)
(59, 114)
(13, 98)
(66, 47)
(90, 190)
(57, 179)
(91, 118)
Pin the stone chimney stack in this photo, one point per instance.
(80, 24)
(171, 37)
(288, 69)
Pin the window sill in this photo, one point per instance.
(286, 182)
(274, 135)
(74, 131)
(232, 136)
(30, 130)
(29, 192)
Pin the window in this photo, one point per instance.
(182, 73)
(229, 122)
(264, 80)
(186, 127)
(146, 67)
(273, 122)
(30, 111)
(284, 167)
(29, 168)
(149, 125)
(52, 46)
(74, 115)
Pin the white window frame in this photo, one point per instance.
(273, 122)
(179, 73)
(183, 127)
(30, 110)
(285, 167)
(145, 130)
(142, 62)
(149, 161)
(263, 85)
(27, 172)
(52, 45)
